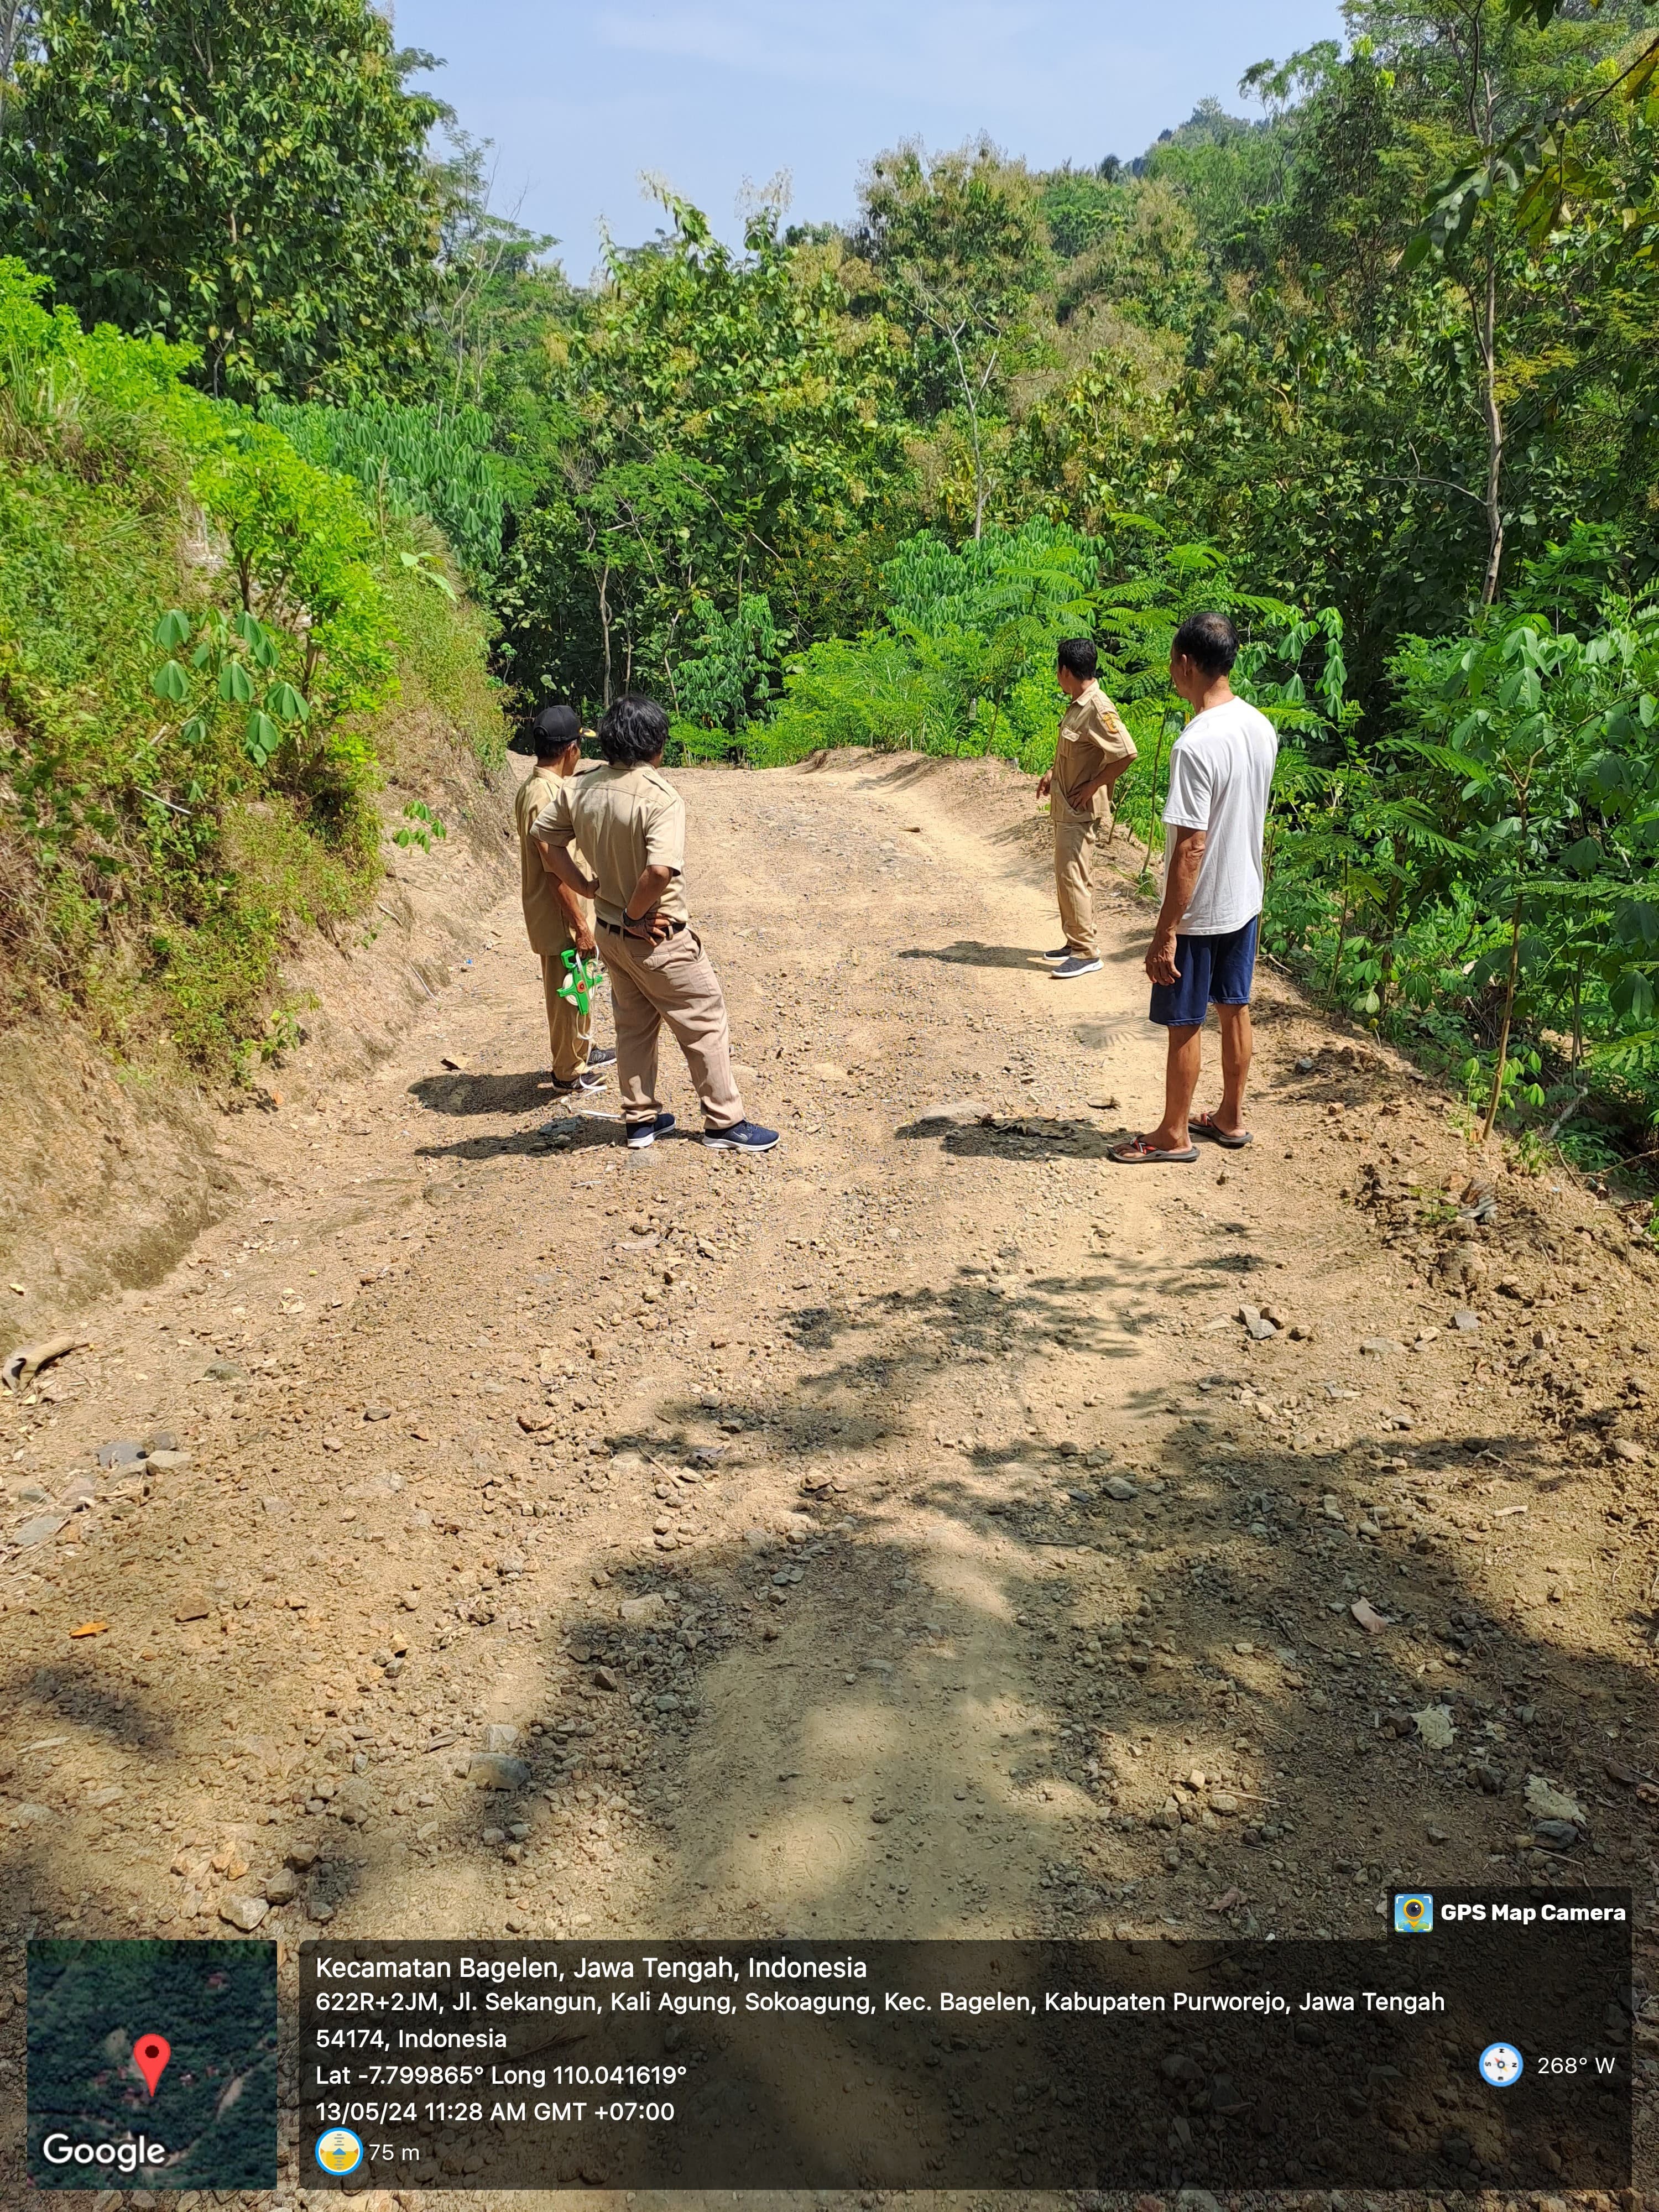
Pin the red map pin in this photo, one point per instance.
(150, 2054)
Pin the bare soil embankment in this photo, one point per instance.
(109, 1168)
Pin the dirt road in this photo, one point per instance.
(901, 1534)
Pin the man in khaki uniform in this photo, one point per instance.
(630, 819)
(1093, 751)
(555, 919)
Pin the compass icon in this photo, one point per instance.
(340, 2150)
(1501, 2065)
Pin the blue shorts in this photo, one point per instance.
(1215, 971)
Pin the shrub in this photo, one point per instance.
(200, 635)
(427, 460)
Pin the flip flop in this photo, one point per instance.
(1203, 1125)
(1136, 1154)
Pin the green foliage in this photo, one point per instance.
(445, 646)
(876, 692)
(1542, 162)
(1020, 589)
(959, 244)
(243, 176)
(1149, 268)
(1445, 429)
(1230, 172)
(428, 459)
(235, 658)
(1544, 746)
(958, 239)
(421, 825)
(1495, 1083)
(1081, 209)
(197, 650)
(1373, 368)
(965, 662)
(494, 292)
(302, 546)
(1487, 875)
(730, 675)
(721, 420)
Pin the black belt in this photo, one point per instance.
(674, 929)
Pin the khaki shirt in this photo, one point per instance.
(546, 924)
(1092, 737)
(628, 819)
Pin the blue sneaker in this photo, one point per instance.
(741, 1137)
(600, 1055)
(642, 1133)
(1074, 963)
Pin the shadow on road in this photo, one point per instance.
(1100, 1036)
(461, 1093)
(1022, 1687)
(991, 1718)
(1024, 1137)
(967, 952)
(563, 1134)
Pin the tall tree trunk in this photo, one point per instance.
(1341, 938)
(1493, 1103)
(604, 625)
(979, 474)
(1578, 1015)
(1494, 417)
(970, 399)
(1390, 944)
(17, 19)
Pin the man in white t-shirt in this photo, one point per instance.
(1203, 952)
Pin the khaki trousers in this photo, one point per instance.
(672, 983)
(569, 1032)
(1077, 837)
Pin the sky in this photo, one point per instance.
(718, 95)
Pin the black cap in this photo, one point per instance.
(553, 730)
(556, 727)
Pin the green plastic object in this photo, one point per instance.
(581, 979)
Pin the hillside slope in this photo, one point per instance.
(110, 1166)
(224, 684)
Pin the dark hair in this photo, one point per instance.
(556, 730)
(1209, 641)
(1077, 657)
(634, 729)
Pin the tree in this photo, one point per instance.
(248, 176)
(960, 243)
(1542, 154)
(1148, 267)
(1541, 748)
(729, 677)
(719, 415)
(1230, 170)
(1330, 431)
(494, 291)
(17, 21)
(1081, 207)
(1466, 71)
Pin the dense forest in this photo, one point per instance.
(1371, 363)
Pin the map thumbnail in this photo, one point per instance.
(199, 2019)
